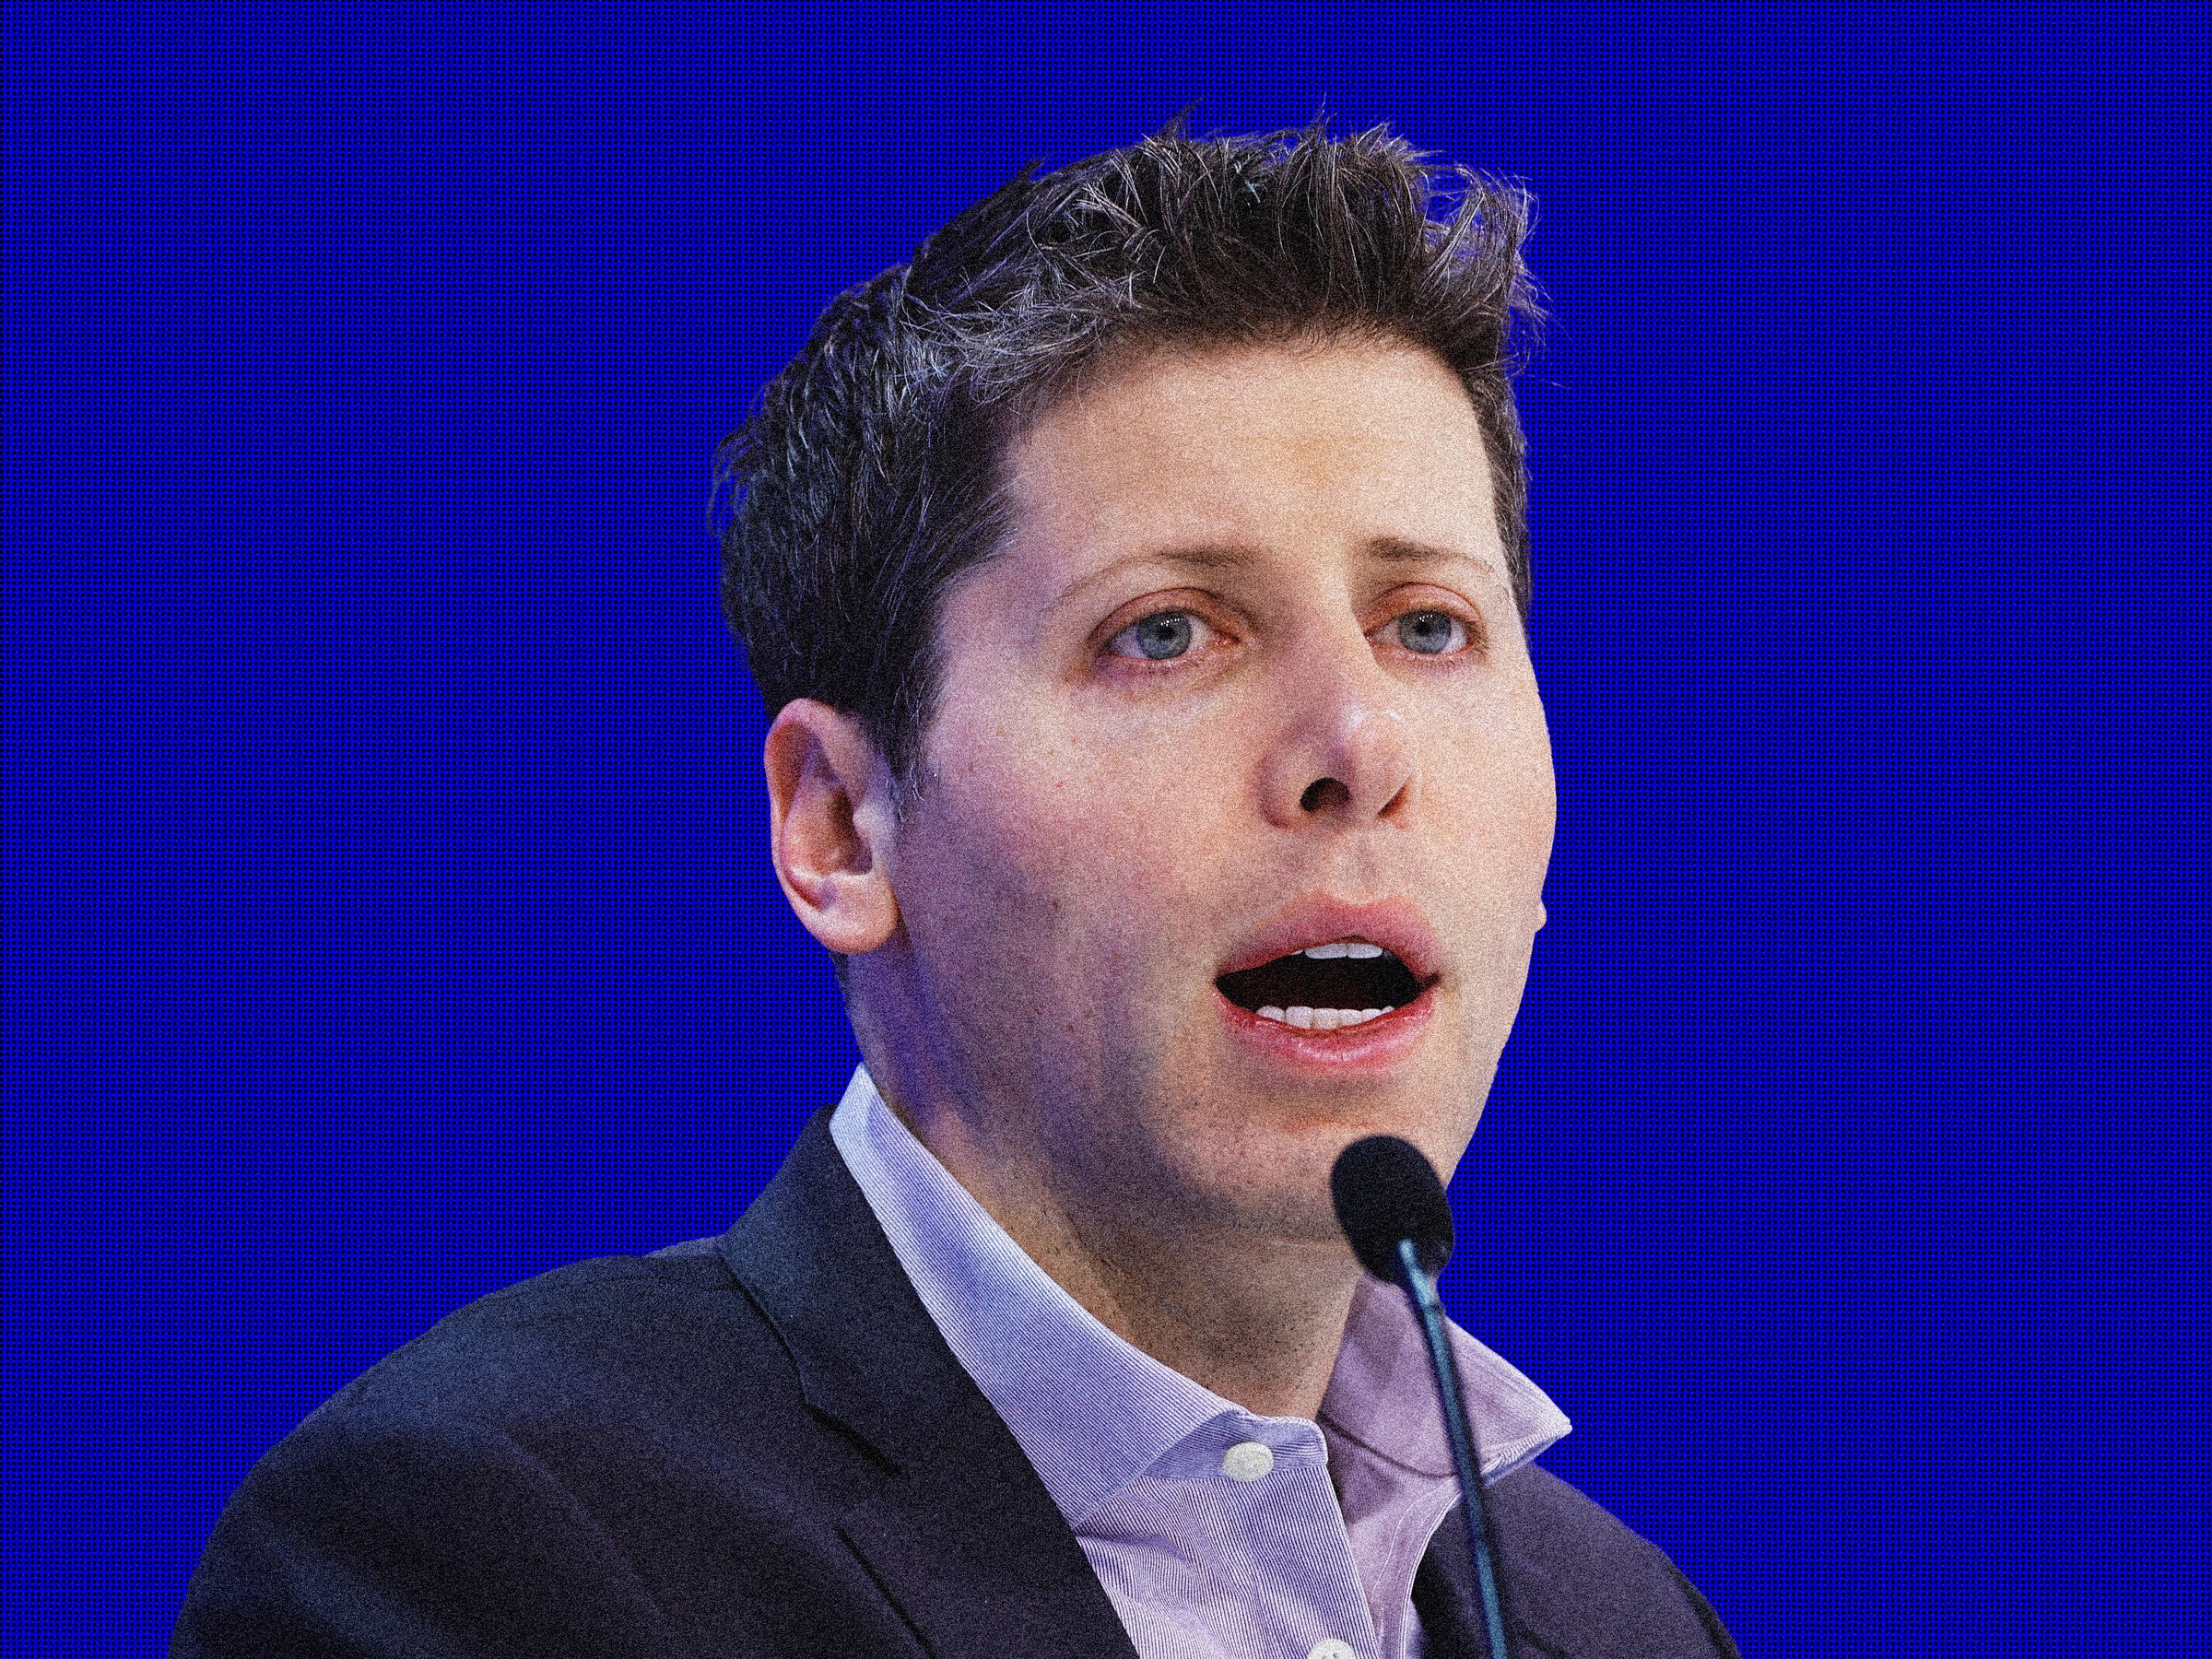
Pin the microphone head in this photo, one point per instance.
(1386, 1190)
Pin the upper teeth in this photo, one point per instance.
(1357, 950)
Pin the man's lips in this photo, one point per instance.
(1394, 924)
(1371, 1045)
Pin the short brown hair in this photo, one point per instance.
(867, 477)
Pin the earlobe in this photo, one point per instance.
(829, 826)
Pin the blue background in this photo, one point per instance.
(387, 914)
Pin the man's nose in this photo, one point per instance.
(1344, 748)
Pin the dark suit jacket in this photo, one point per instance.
(758, 1444)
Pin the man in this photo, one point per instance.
(1137, 583)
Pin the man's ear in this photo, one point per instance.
(829, 826)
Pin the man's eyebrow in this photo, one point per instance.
(1398, 548)
(1219, 555)
(1204, 556)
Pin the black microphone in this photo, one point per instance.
(1391, 1207)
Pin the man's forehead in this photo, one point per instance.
(1250, 462)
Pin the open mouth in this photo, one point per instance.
(1325, 987)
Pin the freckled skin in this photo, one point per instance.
(1034, 952)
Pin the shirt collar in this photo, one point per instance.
(1382, 1395)
(1034, 1350)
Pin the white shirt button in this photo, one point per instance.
(1328, 1647)
(1248, 1460)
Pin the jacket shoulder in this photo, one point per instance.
(612, 1458)
(1585, 1584)
(648, 1331)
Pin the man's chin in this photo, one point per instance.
(1293, 1208)
(1281, 1189)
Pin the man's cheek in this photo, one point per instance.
(1001, 880)
(1075, 829)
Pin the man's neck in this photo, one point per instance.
(1258, 1319)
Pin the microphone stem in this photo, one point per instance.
(1476, 1508)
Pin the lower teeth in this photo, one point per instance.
(1323, 1019)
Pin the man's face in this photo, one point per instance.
(1249, 678)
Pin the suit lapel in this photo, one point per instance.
(962, 1535)
(1450, 1626)
(1446, 1596)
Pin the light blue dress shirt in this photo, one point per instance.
(1214, 1533)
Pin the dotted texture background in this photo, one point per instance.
(387, 914)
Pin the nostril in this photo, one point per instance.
(1324, 790)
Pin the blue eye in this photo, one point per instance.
(1430, 632)
(1158, 637)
